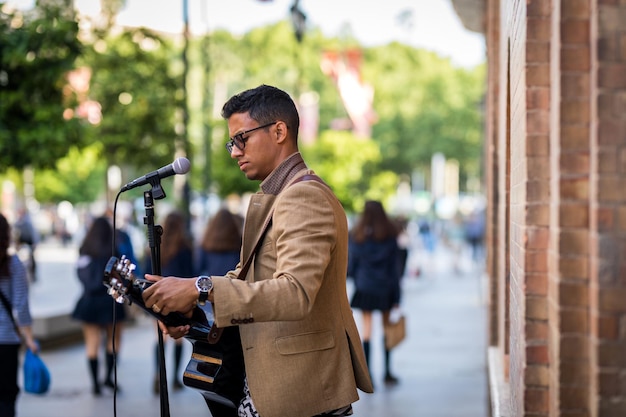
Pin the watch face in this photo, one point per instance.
(204, 284)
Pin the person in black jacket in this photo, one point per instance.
(95, 307)
(373, 265)
(176, 259)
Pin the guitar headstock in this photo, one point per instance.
(120, 278)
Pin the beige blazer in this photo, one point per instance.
(302, 349)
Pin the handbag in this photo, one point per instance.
(395, 330)
(36, 374)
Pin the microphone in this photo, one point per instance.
(179, 166)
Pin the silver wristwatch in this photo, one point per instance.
(204, 284)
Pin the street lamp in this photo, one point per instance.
(298, 19)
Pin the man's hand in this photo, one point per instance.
(170, 294)
(175, 332)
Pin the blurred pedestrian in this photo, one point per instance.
(475, 233)
(373, 265)
(14, 295)
(96, 309)
(218, 252)
(176, 259)
(28, 237)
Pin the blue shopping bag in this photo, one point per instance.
(36, 374)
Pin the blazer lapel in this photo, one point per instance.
(257, 219)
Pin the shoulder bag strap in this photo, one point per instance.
(9, 309)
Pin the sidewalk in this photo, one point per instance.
(441, 365)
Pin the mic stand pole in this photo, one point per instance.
(154, 234)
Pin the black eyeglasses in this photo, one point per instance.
(239, 141)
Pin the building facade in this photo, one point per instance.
(555, 152)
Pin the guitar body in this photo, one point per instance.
(216, 367)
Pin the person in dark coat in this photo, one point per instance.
(373, 265)
(218, 251)
(95, 307)
(176, 259)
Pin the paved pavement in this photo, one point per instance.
(441, 365)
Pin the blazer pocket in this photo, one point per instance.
(305, 342)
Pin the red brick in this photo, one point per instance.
(538, 75)
(574, 267)
(537, 355)
(574, 397)
(574, 137)
(575, 111)
(536, 400)
(612, 76)
(536, 308)
(574, 320)
(538, 29)
(611, 354)
(536, 284)
(608, 327)
(576, 58)
(538, 98)
(575, 163)
(536, 330)
(573, 295)
(575, 215)
(576, 9)
(575, 32)
(575, 85)
(611, 189)
(537, 375)
(574, 347)
(612, 300)
(576, 189)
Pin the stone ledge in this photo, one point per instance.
(56, 329)
(499, 391)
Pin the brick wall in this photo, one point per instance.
(608, 211)
(556, 158)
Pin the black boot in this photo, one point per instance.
(366, 350)
(389, 378)
(178, 354)
(93, 370)
(110, 358)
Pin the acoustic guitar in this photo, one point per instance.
(216, 367)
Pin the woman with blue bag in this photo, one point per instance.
(14, 296)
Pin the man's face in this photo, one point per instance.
(260, 154)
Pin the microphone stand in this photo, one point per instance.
(154, 234)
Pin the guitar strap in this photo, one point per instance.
(216, 332)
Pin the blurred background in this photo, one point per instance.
(96, 93)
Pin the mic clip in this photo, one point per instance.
(155, 181)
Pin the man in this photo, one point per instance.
(302, 350)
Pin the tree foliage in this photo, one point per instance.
(37, 49)
(423, 105)
(139, 91)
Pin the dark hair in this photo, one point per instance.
(98, 240)
(175, 236)
(265, 104)
(223, 232)
(5, 242)
(374, 224)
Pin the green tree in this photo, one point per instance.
(351, 167)
(425, 105)
(138, 88)
(37, 49)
